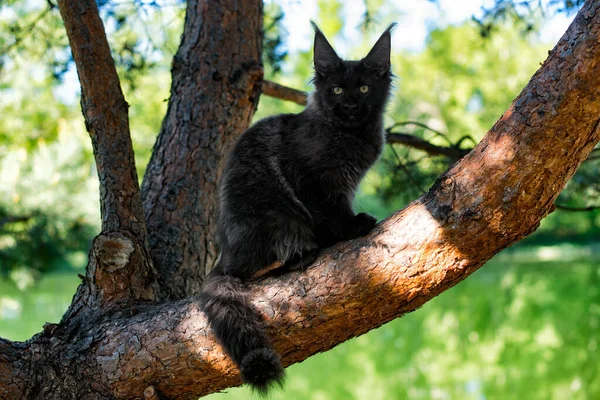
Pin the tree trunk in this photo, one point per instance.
(132, 346)
(217, 73)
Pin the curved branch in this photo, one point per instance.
(415, 142)
(493, 197)
(426, 127)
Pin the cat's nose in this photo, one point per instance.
(350, 106)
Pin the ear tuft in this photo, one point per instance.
(378, 58)
(325, 58)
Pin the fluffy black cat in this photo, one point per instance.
(287, 191)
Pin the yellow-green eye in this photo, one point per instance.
(363, 89)
(338, 90)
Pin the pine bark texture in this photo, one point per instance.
(217, 74)
(493, 197)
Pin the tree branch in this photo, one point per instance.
(493, 197)
(119, 268)
(576, 209)
(105, 112)
(214, 92)
(281, 92)
(415, 142)
(11, 219)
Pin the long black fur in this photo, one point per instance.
(287, 191)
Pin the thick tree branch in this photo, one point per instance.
(105, 112)
(214, 92)
(119, 269)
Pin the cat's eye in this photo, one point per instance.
(337, 90)
(363, 89)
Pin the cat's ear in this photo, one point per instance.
(378, 59)
(325, 58)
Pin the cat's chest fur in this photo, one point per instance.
(336, 158)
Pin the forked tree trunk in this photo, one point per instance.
(118, 341)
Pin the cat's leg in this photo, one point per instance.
(264, 271)
(297, 263)
(247, 249)
(294, 243)
(302, 261)
(363, 223)
(337, 222)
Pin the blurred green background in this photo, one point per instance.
(526, 326)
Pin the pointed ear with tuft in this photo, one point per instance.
(325, 58)
(378, 58)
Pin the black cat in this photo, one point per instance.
(287, 191)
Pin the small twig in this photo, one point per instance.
(407, 171)
(465, 138)
(421, 125)
(421, 144)
(576, 209)
(278, 91)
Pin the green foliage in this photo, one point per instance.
(48, 207)
(525, 14)
(274, 52)
(48, 187)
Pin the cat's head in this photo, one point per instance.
(352, 92)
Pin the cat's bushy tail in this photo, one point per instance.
(239, 328)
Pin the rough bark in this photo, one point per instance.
(216, 81)
(105, 112)
(119, 268)
(14, 369)
(493, 197)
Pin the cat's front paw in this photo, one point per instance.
(363, 223)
